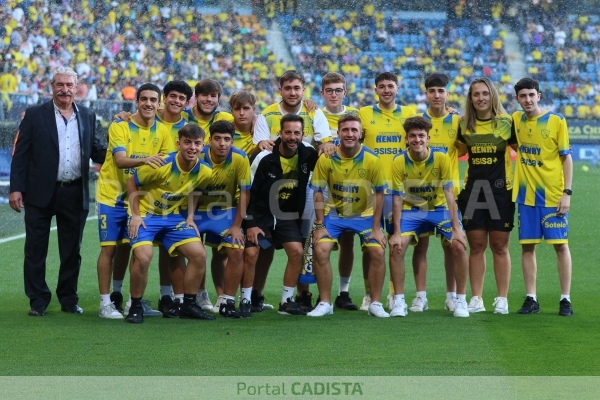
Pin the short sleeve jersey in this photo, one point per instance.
(489, 152)
(351, 181)
(273, 115)
(442, 136)
(188, 115)
(228, 178)
(173, 128)
(383, 132)
(168, 187)
(137, 142)
(539, 179)
(243, 141)
(421, 183)
(333, 118)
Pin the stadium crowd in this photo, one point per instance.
(115, 46)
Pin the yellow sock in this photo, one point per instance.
(391, 287)
(367, 286)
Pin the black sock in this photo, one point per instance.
(136, 302)
(189, 299)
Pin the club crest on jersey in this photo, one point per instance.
(230, 173)
(497, 132)
(452, 133)
(304, 168)
(362, 172)
(545, 133)
(435, 172)
(104, 234)
(155, 142)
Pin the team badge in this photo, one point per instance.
(304, 167)
(545, 133)
(435, 172)
(497, 132)
(230, 173)
(452, 133)
(155, 142)
(104, 234)
(362, 172)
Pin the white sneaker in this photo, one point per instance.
(321, 309)
(476, 305)
(376, 310)
(400, 309)
(146, 306)
(203, 300)
(460, 308)
(366, 302)
(450, 304)
(501, 305)
(109, 311)
(419, 304)
(390, 301)
(215, 308)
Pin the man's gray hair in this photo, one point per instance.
(64, 71)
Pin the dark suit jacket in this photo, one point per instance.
(34, 166)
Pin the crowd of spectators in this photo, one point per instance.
(361, 44)
(116, 46)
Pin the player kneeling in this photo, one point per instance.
(356, 183)
(155, 196)
(424, 202)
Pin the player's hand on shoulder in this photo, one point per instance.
(266, 144)
(124, 115)
(155, 161)
(310, 105)
(328, 149)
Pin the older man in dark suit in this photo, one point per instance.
(49, 177)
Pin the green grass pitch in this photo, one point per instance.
(347, 343)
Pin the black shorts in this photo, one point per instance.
(284, 231)
(484, 216)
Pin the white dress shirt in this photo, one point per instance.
(69, 150)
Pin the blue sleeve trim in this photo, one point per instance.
(117, 149)
(137, 181)
(315, 188)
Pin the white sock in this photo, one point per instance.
(565, 296)
(462, 297)
(226, 297)
(246, 292)
(166, 291)
(180, 297)
(399, 297)
(532, 296)
(450, 295)
(422, 294)
(287, 293)
(117, 285)
(344, 284)
(474, 297)
(105, 299)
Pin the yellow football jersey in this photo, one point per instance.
(228, 178)
(421, 183)
(243, 141)
(383, 132)
(539, 179)
(173, 128)
(442, 136)
(351, 182)
(332, 118)
(137, 142)
(168, 187)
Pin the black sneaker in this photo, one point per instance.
(290, 307)
(193, 311)
(304, 301)
(227, 309)
(257, 301)
(565, 308)
(164, 304)
(530, 306)
(136, 315)
(245, 308)
(174, 309)
(117, 299)
(344, 302)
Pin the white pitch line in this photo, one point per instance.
(22, 235)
